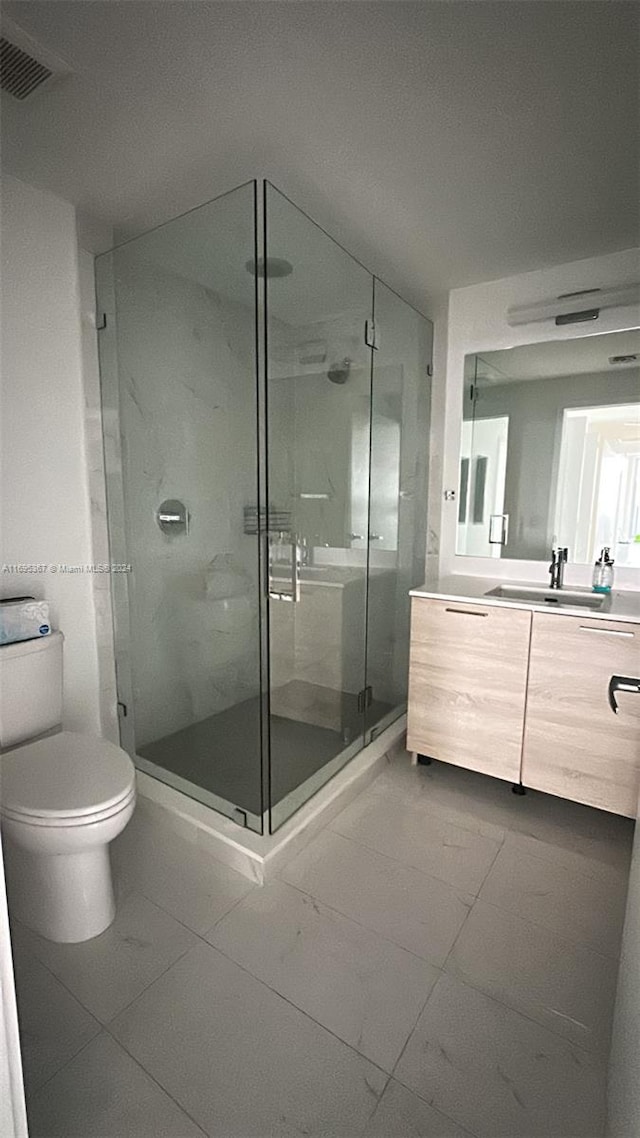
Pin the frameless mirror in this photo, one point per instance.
(550, 450)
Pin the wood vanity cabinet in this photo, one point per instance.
(467, 682)
(574, 745)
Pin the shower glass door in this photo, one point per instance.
(179, 389)
(315, 518)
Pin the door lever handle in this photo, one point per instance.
(621, 683)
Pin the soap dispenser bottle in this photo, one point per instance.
(603, 572)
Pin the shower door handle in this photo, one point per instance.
(278, 594)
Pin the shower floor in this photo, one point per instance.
(221, 753)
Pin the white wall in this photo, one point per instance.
(45, 494)
(477, 322)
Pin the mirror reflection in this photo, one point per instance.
(550, 450)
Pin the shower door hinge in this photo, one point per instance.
(370, 334)
(365, 698)
(101, 321)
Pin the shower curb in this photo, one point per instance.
(261, 857)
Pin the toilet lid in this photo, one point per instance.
(66, 775)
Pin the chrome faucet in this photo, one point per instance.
(559, 558)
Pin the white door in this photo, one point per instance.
(483, 468)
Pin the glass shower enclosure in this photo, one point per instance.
(265, 405)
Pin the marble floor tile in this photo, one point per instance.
(103, 1093)
(109, 971)
(316, 987)
(364, 988)
(401, 1114)
(607, 856)
(565, 987)
(177, 875)
(583, 907)
(242, 1061)
(416, 911)
(53, 1025)
(486, 805)
(419, 838)
(499, 1074)
(431, 787)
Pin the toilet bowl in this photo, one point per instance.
(64, 798)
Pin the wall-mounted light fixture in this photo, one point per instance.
(576, 307)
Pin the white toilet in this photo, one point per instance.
(63, 797)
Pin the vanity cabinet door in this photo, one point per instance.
(574, 744)
(467, 681)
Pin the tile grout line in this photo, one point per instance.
(584, 945)
(438, 1110)
(543, 928)
(435, 809)
(508, 828)
(164, 1090)
(106, 1027)
(600, 1062)
(183, 923)
(147, 986)
(599, 1057)
(595, 1053)
(365, 928)
(368, 928)
(307, 1015)
(77, 998)
(203, 936)
(214, 948)
(537, 856)
(63, 1067)
(407, 865)
(471, 908)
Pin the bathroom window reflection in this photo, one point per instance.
(598, 501)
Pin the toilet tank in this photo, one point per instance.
(30, 688)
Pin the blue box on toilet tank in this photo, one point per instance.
(23, 618)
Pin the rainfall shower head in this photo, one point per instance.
(339, 373)
(276, 267)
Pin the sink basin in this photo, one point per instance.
(558, 598)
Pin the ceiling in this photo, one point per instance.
(553, 359)
(444, 143)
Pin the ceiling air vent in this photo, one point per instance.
(20, 73)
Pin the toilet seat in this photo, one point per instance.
(79, 820)
(67, 779)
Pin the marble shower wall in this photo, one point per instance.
(187, 414)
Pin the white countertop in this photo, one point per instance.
(617, 605)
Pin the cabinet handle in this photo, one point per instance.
(621, 683)
(604, 631)
(467, 612)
